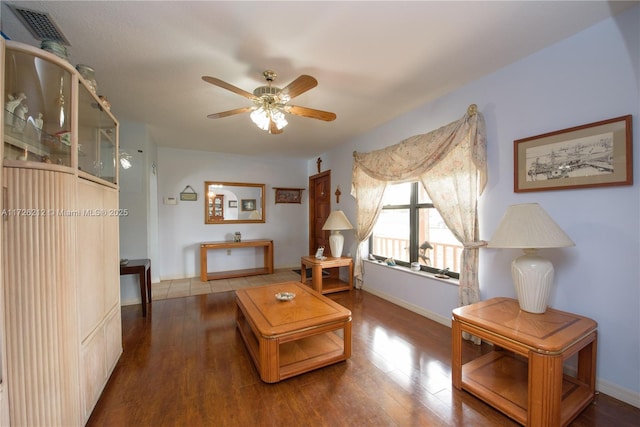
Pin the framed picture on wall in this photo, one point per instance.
(288, 195)
(248, 204)
(233, 203)
(593, 155)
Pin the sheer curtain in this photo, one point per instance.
(451, 164)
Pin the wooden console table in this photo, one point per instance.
(331, 283)
(141, 267)
(523, 377)
(206, 246)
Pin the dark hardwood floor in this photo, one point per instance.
(186, 365)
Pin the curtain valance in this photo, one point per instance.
(412, 157)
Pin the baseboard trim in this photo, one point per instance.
(411, 307)
(627, 396)
(130, 302)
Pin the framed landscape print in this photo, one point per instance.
(248, 204)
(593, 155)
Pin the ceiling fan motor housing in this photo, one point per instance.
(266, 90)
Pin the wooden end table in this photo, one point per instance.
(523, 377)
(328, 284)
(287, 338)
(141, 267)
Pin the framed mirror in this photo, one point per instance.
(233, 202)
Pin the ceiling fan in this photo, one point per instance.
(271, 103)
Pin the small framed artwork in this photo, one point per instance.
(233, 203)
(592, 155)
(289, 195)
(188, 194)
(248, 204)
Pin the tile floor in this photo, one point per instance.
(194, 286)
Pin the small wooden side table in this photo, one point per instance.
(523, 377)
(328, 284)
(141, 267)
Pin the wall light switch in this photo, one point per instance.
(170, 201)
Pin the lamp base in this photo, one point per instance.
(532, 278)
(336, 242)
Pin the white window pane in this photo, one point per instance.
(445, 249)
(423, 197)
(397, 194)
(391, 234)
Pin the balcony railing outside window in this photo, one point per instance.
(443, 255)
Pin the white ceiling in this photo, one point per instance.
(373, 60)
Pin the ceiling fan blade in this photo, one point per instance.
(230, 113)
(298, 86)
(273, 129)
(310, 112)
(225, 85)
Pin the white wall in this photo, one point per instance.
(137, 195)
(182, 227)
(592, 76)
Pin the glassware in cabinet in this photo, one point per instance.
(37, 109)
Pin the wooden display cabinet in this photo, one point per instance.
(61, 239)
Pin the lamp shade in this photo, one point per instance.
(528, 226)
(337, 221)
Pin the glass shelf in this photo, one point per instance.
(97, 144)
(37, 110)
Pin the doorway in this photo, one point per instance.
(319, 210)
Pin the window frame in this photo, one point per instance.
(414, 223)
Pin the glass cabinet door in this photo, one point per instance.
(37, 110)
(97, 131)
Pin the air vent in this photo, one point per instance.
(40, 25)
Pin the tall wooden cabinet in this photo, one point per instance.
(60, 257)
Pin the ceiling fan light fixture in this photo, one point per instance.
(125, 160)
(260, 117)
(278, 117)
(264, 115)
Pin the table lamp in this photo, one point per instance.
(529, 227)
(337, 221)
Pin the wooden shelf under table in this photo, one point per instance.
(298, 356)
(331, 284)
(501, 377)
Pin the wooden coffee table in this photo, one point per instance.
(288, 338)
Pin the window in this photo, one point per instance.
(409, 229)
